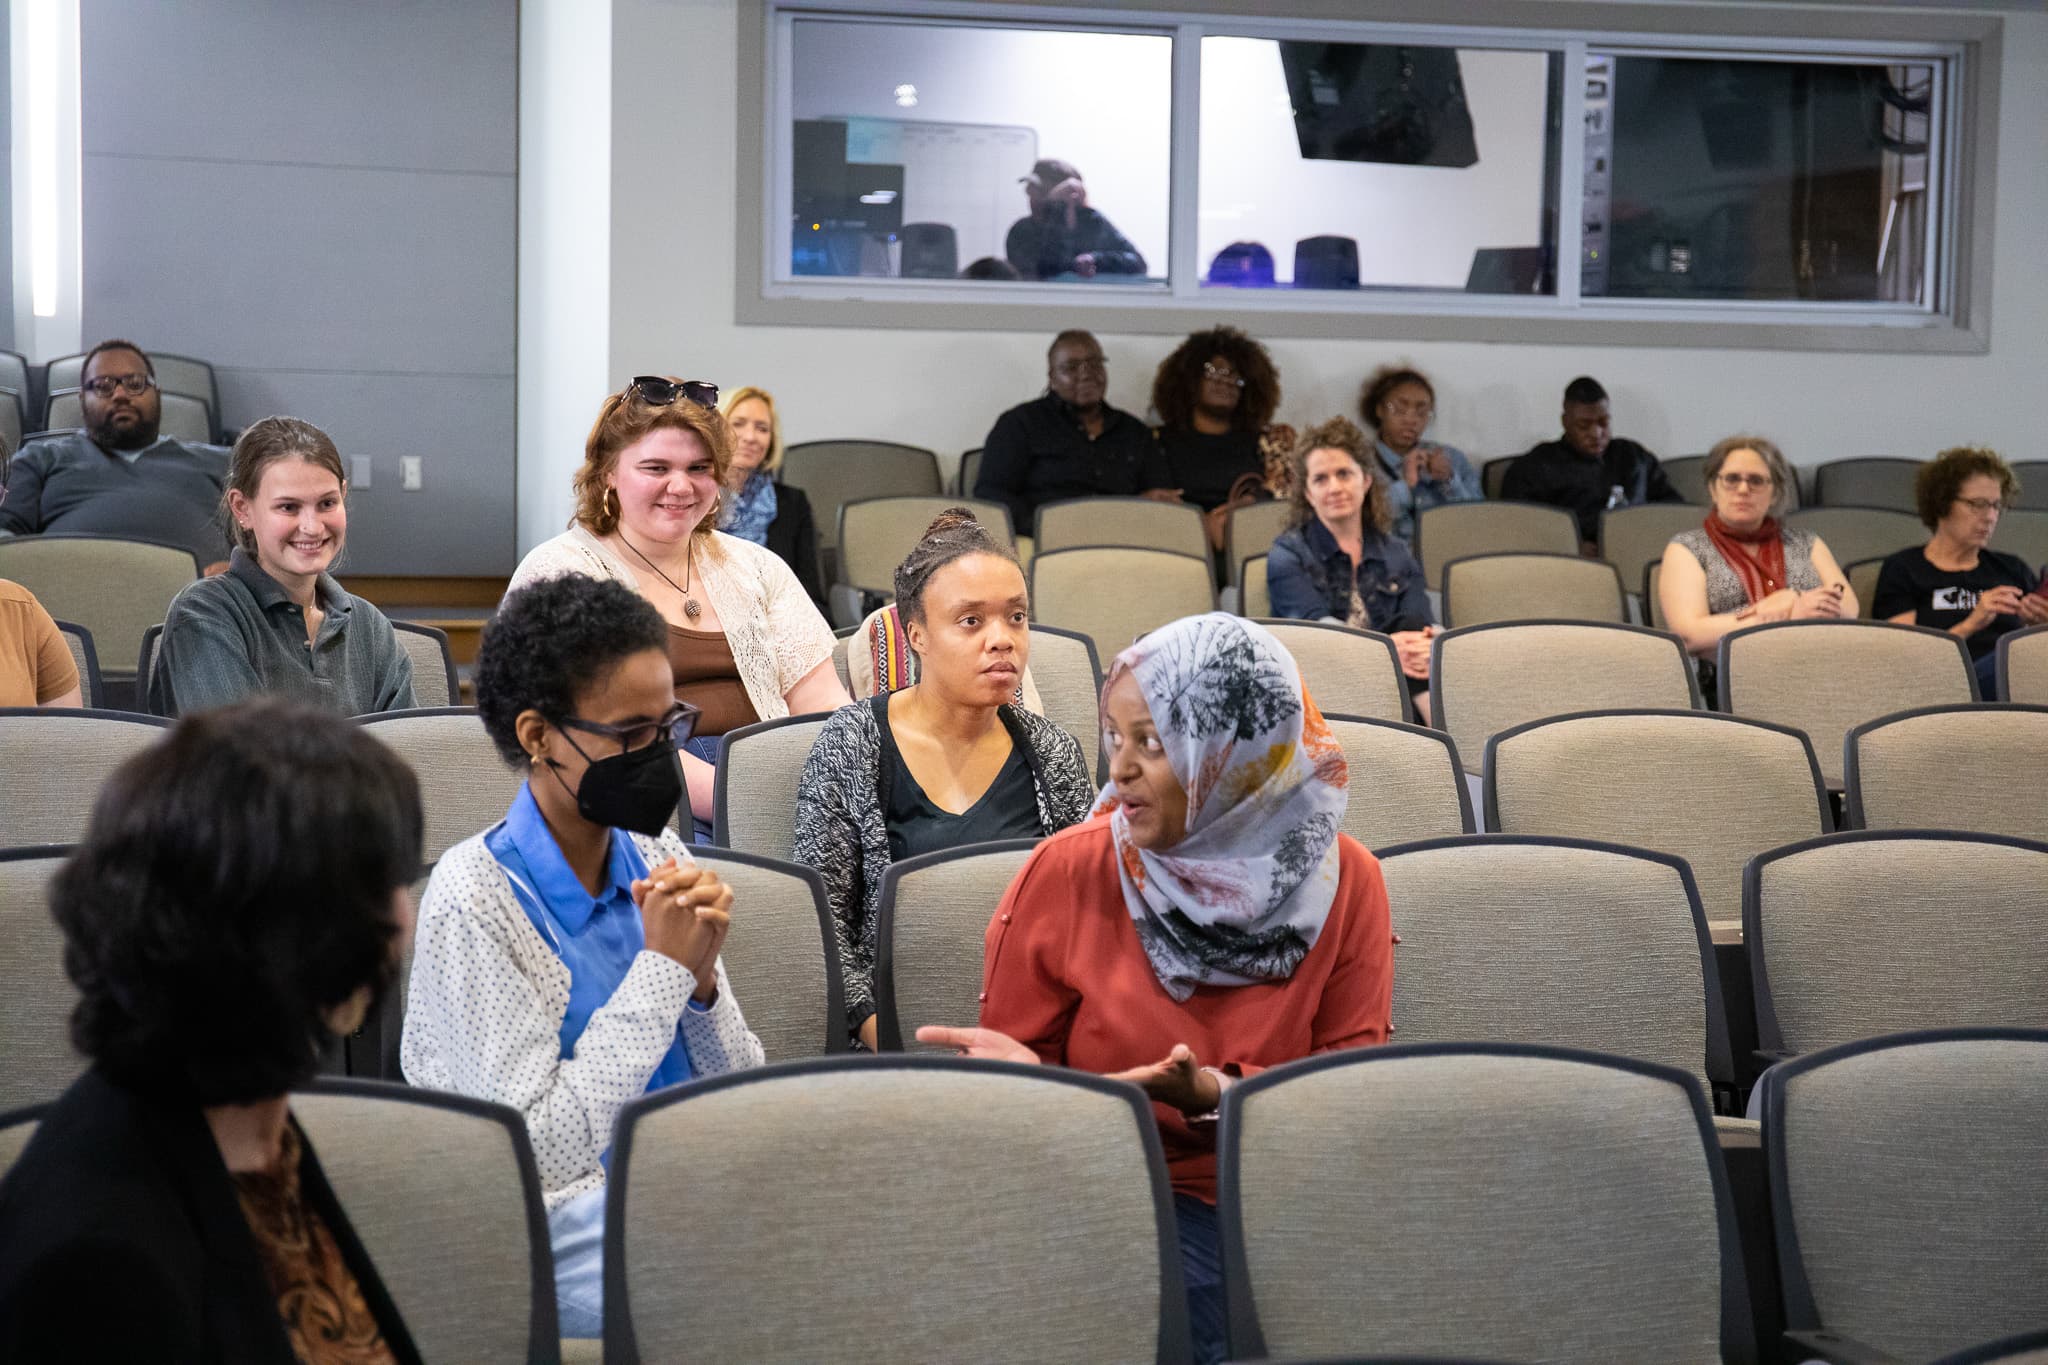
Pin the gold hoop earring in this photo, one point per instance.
(611, 502)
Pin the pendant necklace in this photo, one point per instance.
(690, 607)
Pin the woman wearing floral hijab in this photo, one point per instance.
(1213, 924)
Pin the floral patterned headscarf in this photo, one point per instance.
(1244, 896)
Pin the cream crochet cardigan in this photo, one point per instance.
(777, 636)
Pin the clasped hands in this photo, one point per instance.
(1176, 1080)
(1430, 462)
(685, 911)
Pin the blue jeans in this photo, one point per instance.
(706, 748)
(576, 1232)
(1201, 1267)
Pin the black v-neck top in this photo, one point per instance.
(1007, 810)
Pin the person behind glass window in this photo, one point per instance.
(120, 475)
(1581, 471)
(1069, 442)
(1062, 235)
(949, 760)
(1742, 567)
(1210, 922)
(1338, 562)
(237, 907)
(745, 641)
(1956, 582)
(277, 622)
(567, 960)
(1398, 403)
(756, 504)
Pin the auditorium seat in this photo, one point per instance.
(55, 760)
(175, 374)
(37, 1059)
(1454, 530)
(13, 421)
(1978, 768)
(875, 535)
(115, 588)
(182, 419)
(1853, 533)
(834, 472)
(86, 659)
(1875, 481)
(1862, 576)
(2023, 533)
(1631, 537)
(1113, 594)
(1011, 1213)
(433, 666)
(1251, 530)
(1687, 475)
(1872, 931)
(1479, 589)
(16, 1128)
(1494, 474)
(466, 786)
(1406, 782)
(1066, 523)
(784, 964)
(2032, 476)
(2023, 666)
(1254, 598)
(1348, 671)
(1907, 1188)
(1068, 675)
(931, 920)
(1478, 1200)
(754, 791)
(969, 472)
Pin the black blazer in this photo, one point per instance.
(121, 1238)
(793, 536)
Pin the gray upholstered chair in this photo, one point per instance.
(2023, 666)
(1406, 782)
(1828, 677)
(1499, 931)
(1349, 672)
(1873, 931)
(86, 659)
(1872, 481)
(1631, 537)
(1531, 587)
(876, 533)
(443, 1192)
(1019, 1213)
(1688, 475)
(931, 922)
(754, 793)
(784, 962)
(16, 1128)
(1454, 530)
(2024, 533)
(433, 664)
(1254, 595)
(1113, 593)
(55, 760)
(1251, 531)
(1067, 523)
(114, 588)
(1907, 1185)
(466, 786)
(1977, 768)
(1065, 670)
(1710, 789)
(36, 1057)
(1505, 1201)
(1853, 533)
(181, 418)
(835, 472)
(1486, 679)
(1863, 575)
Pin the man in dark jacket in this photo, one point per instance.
(1062, 235)
(1588, 470)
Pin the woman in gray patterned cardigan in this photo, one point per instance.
(945, 762)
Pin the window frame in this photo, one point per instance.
(1966, 49)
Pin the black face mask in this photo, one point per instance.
(637, 790)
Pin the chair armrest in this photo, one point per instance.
(1837, 1349)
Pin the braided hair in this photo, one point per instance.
(954, 534)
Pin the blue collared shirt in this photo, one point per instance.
(598, 937)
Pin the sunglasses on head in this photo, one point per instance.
(657, 392)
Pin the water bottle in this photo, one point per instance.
(1616, 497)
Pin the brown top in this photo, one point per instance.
(35, 663)
(709, 679)
(323, 1308)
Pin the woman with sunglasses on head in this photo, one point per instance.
(745, 641)
(566, 960)
(758, 505)
(1742, 567)
(1956, 582)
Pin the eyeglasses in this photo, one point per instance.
(105, 385)
(1392, 408)
(657, 392)
(1091, 365)
(1211, 370)
(1982, 505)
(1732, 482)
(675, 727)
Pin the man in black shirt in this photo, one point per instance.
(1069, 443)
(1583, 471)
(1062, 235)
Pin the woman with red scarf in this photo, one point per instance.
(1742, 568)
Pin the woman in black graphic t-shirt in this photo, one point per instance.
(1955, 582)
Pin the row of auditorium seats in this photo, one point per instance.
(1464, 1201)
(36, 398)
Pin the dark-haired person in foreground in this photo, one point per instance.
(120, 476)
(1956, 582)
(239, 902)
(1589, 469)
(567, 957)
(949, 760)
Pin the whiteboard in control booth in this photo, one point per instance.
(964, 174)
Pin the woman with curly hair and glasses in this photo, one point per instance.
(1398, 402)
(1956, 582)
(1215, 396)
(237, 907)
(745, 641)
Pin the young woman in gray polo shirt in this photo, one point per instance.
(276, 622)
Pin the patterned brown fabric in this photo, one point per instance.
(323, 1308)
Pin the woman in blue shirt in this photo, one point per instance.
(1338, 562)
(566, 960)
(1399, 403)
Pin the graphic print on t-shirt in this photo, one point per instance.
(1954, 599)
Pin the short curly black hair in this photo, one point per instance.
(551, 641)
(236, 884)
(1940, 481)
(1177, 384)
(1382, 382)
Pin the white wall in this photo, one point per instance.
(673, 288)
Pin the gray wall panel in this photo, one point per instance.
(337, 82)
(460, 522)
(297, 267)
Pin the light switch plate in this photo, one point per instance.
(409, 472)
(358, 471)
